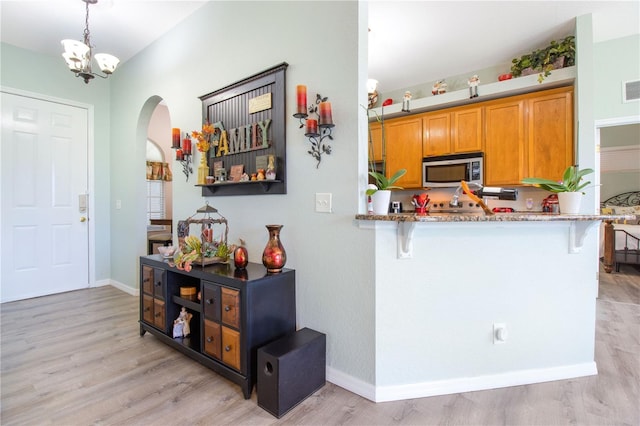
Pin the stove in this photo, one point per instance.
(465, 206)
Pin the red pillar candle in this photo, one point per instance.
(175, 138)
(312, 127)
(325, 113)
(301, 90)
(179, 156)
(186, 145)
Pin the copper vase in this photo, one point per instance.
(274, 256)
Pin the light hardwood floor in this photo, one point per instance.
(77, 359)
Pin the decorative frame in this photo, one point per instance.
(231, 107)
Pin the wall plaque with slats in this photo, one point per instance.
(251, 112)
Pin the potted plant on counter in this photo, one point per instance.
(380, 192)
(568, 189)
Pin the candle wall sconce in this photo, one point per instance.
(183, 151)
(316, 129)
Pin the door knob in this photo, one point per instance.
(83, 219)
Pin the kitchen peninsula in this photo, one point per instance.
(468, 301)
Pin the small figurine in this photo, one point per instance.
(271, 169)
(181, 324)
(439, 87)
(473, 86)
(254, 176)
(261, 174)
(244, 177)
(405, 101)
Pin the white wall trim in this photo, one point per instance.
(465, 384)
(122, 287)
(350, 383)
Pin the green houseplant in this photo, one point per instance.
(380, 193)
(384, 183)
(571, 181)
(546, 59)
(568, 189)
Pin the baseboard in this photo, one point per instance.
(120, 286)
(467, 384)
(350, 383)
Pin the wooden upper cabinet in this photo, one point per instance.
(404, 150)
(374, 146)
(466, 129)
(504, 159)
(436, 129)
(550, 134)
(452, 131)
(528, 136)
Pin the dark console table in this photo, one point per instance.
(234, 313)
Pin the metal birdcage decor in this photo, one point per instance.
(210, 246)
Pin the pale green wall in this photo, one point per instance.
(226, 42)
(616, 61)
(49, 75)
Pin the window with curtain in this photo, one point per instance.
(157, 174)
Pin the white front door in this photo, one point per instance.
(43, 164)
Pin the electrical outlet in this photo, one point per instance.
(118, 204)
(323, 202)
(500, 333)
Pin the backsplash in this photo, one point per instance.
(444, 195)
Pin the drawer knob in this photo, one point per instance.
(159, 283)
(209, 339)
(158, 314)
(227, 308)
(147, 309)
(227, 348)
(210, 301)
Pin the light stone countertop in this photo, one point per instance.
(481, 217)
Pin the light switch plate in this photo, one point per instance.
(323, 202)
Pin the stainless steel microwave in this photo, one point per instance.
(448, 170)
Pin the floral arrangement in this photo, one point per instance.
(193, 251)
(204, 137)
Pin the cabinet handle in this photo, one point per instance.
(209, 339)
(210, 301)
(227, 308)
(227, 348)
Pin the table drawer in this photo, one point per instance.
(147, 308)
(212, 340)
(231, 347)
(158, 314)
(211, 299)
(230, 307)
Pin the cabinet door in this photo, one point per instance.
(230, 307)
(211, 301)
(467, 129)
(231, 347)
(374, 147)
(158, 283)
(550, 134)
(147, 308)
(147, 279)
(159, 314)
(404, 150)
(212, 339)
(504, 162)
(436, 129)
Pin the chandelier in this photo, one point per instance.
(77, 54)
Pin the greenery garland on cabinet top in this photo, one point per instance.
(544, 60)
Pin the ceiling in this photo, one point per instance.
(411, 42)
